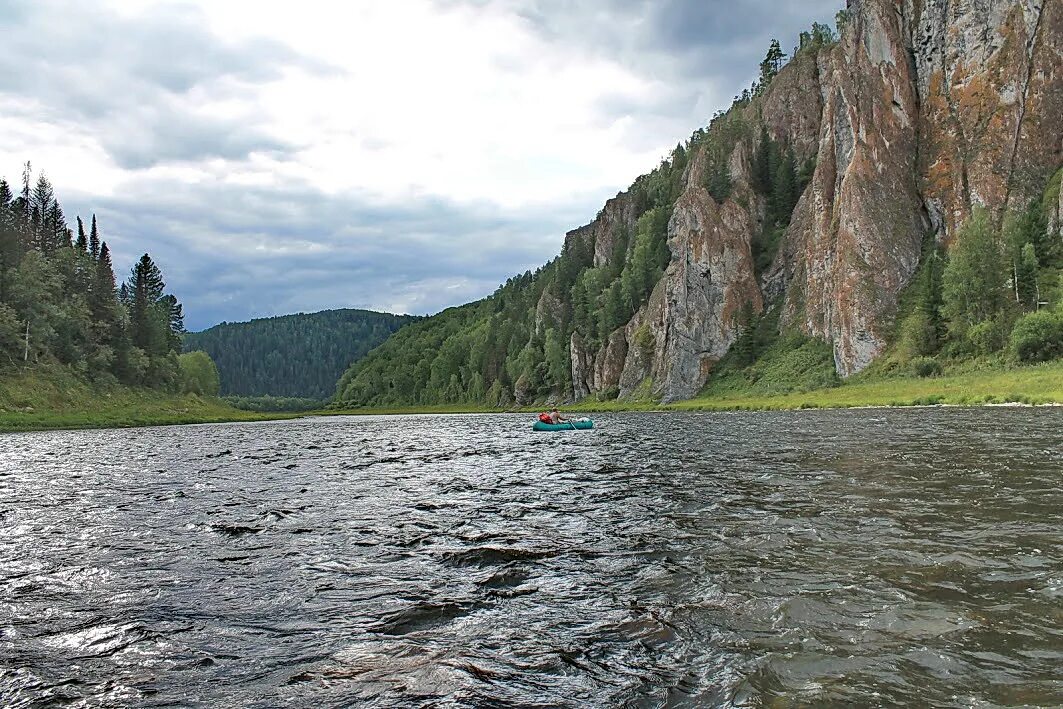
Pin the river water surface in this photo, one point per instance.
(872, 557)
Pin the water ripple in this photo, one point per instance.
(753, 559)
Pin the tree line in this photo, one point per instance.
(60, 301)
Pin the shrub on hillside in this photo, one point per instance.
(199, 375)
(925, 367)
(1038, 337)
(987, 337)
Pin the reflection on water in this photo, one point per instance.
(757, 559)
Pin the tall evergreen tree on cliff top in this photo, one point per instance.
(146, 290)
(772, 64)
(94, 239)
(82, 243)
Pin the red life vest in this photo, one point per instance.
(545, 418)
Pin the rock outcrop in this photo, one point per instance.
(924, 109)
(989, 75)
(855, 239)
(694, 309)
(616, 220)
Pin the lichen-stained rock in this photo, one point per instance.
(855, 239)
(792, 106)
(616, 219)
(990, 82)
(582, 376)
(692, 312)
(547, 312)
(609, 362)
(641, 346)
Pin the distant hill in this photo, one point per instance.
(292, 355)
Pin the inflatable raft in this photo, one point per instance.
(565, 426)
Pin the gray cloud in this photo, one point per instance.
(129, 79)
(231, 253)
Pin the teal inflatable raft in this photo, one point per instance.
(582, 424)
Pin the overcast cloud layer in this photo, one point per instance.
(400, 156)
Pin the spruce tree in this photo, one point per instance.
(146, 289)
(973, 284)
(82, 241)
(103, 294)
(8, 239)
(94, 239)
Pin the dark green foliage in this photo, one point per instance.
(921, 326)
(294, 355)
(974, 281)
(776, 178)
(925, 367)
(1038, 337)
(821, 35)
(59, 295)
(772, 63)
(972, 301)
(770, 362)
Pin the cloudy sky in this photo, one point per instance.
(277, 157)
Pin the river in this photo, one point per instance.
(871, 557)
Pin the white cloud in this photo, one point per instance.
(354, 129)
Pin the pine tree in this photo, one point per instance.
(103, 293)
(82, 241)
(42, 200)
(784, 189)
(94, 239)
(146, 289)
(58, 234)
(772, 64)
(8, 239)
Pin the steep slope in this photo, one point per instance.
(294, 355)
(814, 195)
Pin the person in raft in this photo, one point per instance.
(553, 417)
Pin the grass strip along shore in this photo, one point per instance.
(38, 402)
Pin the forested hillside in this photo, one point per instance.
(59, 304)
(843, 212)
(293, 355)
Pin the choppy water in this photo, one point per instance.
(761, 559)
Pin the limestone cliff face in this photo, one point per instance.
(989, 76)
(855, 240)
(923, 110)
(618, 217)
(693, 312)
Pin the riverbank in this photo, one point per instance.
(1033, 385)
(54, 399)
(965, 385)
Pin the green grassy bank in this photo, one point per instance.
(53, 398)
(968, 385)
(1035, 384)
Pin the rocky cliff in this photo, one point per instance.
(923, 110)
